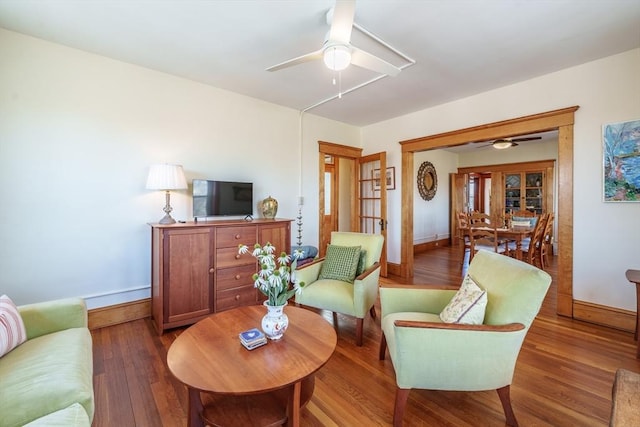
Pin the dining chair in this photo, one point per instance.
(462, 219)
(523, 214)
(479, 219)
(532, 246)
(546, 246)
(487, 239)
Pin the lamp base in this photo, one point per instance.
(167, 219)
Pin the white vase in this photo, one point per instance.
(275, 322)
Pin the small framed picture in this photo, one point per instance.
(390, 178)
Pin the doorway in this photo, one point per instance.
(350, 196)
(560, 120)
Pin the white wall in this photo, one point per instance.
(431, 217)
(77, 135)
(607, 91)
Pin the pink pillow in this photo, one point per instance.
(12, 331)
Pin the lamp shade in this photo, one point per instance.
(166, 177)
(337, 57)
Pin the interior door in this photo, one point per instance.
(372, 199)
(459, 201)
(330, 217)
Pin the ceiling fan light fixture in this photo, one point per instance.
(337, 57)
(501, 145)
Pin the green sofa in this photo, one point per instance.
(48, 379)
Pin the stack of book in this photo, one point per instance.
(252, 338)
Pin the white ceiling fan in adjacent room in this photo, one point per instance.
(337, 52)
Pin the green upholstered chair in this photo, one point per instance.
(429, 354)
(354, 299)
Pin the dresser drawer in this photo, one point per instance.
(229, 257)
(229, 278)
(231, 237)
(232, 298)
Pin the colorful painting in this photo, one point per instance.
(621, 161)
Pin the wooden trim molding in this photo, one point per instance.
(427, 246)
(604, 315)
(395, 269)
(561, 120)
(119, 313)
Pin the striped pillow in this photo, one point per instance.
(12, 331)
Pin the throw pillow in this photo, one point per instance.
(12, 331)
(524, 221)
(467, 305)
(340, 263)
(361, 262)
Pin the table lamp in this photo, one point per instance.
(166, 177)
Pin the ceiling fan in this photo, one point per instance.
(503, 143)
(337, 51)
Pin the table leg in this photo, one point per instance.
(293, 406)
(518, 248)
(195, 409)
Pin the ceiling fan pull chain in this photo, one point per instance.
(339, 84)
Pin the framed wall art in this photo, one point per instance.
(390, 178)
(621, 161)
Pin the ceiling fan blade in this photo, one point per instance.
(529, 138)
(299, 60)
(341, 19)
(366, 60)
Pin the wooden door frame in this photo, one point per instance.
(346, 152)
(561, 120)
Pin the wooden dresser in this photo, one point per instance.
(196, 269)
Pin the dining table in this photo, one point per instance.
(515, 233)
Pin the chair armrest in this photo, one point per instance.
(510, 327)
(421, 299)
(365, 290)
(52, 316)
(368, 271)
(308, 273)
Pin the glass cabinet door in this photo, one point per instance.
(512, 192)
(534, 192)
(524, 191)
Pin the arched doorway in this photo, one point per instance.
(560, 120)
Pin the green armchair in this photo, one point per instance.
(353, 299)
(429, 354)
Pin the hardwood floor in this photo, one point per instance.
(564, 374)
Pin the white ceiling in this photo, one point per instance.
(461, 47)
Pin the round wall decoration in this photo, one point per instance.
(427, 180)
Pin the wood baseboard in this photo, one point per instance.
(119, 313)
(435, 244)
(393, 269)
(604, 315)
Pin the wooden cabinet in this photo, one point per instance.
(196, 269)
(525, 191)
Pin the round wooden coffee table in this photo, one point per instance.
(263, 386)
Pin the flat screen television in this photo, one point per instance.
(222, 198)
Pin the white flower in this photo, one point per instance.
(268, 248)
(274, 275)
(283, 259)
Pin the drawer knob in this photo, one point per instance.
(237, 277)
(238, 256)
(237, 236)
(211, 270)
(237, 297)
